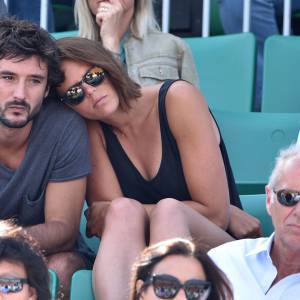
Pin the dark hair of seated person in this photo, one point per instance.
(18, 247)
(152, 255)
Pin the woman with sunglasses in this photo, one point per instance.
(177, 269)
(128, 28)
(158, 162)
(23, 272)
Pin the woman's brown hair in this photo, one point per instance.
(152, 255)
(93, 53)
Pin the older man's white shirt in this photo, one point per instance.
(248, 266)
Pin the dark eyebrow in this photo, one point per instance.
(36, 76)
(4, 72)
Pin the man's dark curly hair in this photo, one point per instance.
(21, 39)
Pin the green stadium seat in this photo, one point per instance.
(226, 67)
(92, 242)
(281, 74)
(81, 286)
(54, 284)
(253, 140)
(62, 34)
(256, 206)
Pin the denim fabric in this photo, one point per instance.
(3, 10)
(30, 10)
(263, 24)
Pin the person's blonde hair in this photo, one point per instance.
(142, 23)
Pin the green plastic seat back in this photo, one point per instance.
(226, 66)
(53, 284)
(255, 205)
(81, 286)
(253, 140)
(281, 74)
(62, 34)
(92, 242)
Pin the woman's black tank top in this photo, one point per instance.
(169, 182)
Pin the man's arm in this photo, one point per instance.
(63, 205)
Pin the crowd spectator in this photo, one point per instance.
(177, 267)
(129, 29)
(23, 271)
(269, 268)
(43, 148)
(158, 163)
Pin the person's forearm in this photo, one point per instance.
(53, 236)
(221, 218)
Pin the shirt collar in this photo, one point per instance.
(264, 246)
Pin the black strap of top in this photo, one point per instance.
(233, 193)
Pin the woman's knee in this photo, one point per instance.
(167, 208)
(125, 210)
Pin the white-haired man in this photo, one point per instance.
(269, 268)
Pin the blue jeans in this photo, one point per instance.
(3, 10)
(30, 10)
(263, 24)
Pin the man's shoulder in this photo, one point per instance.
(236, 248)
(57, 114)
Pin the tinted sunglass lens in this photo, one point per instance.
(197, 290)
(165, 288)
(74, 95)
(286, 198)
(94, 77)
(15, 287)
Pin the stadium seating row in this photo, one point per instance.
(253, 140)
(226, 67)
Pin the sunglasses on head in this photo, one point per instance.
(167, 287)
(11, 285)
(287, 197)
(75, 94)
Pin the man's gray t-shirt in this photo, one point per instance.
(58, 151)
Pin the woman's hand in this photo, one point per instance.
(110, 18)
(95, 215)
(243, 225)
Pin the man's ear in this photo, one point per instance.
(269, 200)
(32, 294)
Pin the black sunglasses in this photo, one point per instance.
(75, 94)
(167, 287)
(287, 197)
(11, 285)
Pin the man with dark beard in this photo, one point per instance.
(43, 148)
